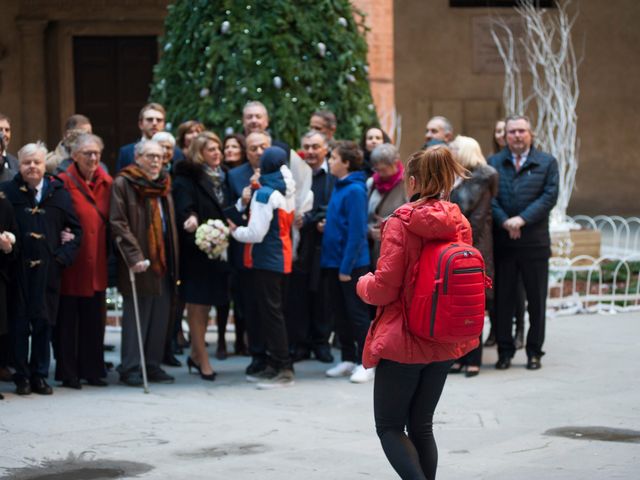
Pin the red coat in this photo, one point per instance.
(403, 235)
(88, 273)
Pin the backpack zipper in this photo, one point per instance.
(434, 298)
(466, 253)
(467, 270)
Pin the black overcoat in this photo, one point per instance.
(203, 281)
(7, 224)
(42, 256)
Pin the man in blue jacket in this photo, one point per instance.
(527, 192)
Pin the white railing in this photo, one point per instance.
(607, 284)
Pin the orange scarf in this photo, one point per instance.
(151, 191)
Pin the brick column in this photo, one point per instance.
(33, 102)
(380, 57)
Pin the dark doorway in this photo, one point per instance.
(112, 82)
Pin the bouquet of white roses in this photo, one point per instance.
(212, 237)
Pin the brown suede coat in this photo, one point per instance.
(129, 220)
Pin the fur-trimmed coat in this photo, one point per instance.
(474, 196)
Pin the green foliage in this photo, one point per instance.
(209, 69)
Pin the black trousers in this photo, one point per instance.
(80, 337)
(36, 364)
(270, 289)
(255, 336)
(308, 322)
(406, 395)
(239, 308)
(535, 278)
(350, 313)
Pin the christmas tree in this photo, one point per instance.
(295, 56)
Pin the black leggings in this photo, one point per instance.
(407, 395)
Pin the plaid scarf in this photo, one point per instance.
(150, 191)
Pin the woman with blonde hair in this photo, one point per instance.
(200, 194)
(473, 195)
(411, 371)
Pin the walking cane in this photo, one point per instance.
(132, 279)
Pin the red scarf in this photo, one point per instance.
(387, 184)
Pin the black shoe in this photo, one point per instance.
(471, 373)
(503, 363)
(40, 386)
(221, 351)
(456, 368)
(1, 397)
(299, 354)
(132, 379)
(72, 383)
(491, 340)
(23, 387)
(108, 366)
(240, 349)
(171, 361)
(109, 348)
(191, 364)
(96, 382)
(533, 363)
(157, 375)
(323, 354)
(256, 365)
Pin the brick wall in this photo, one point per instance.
(379, 19)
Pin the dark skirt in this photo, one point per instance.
(205, 283)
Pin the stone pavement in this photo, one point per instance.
(488, 427)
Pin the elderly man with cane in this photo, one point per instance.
(143, 221)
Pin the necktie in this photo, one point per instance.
(518, 160)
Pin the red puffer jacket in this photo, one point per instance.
(391, 286)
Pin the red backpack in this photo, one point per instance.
(449, 293)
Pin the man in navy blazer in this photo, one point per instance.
(527, 192)
(151, 120)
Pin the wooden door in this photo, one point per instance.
(112, 82)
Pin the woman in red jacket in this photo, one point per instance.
(411, 371)
(80, 326)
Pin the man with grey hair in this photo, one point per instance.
(142, 221)
(50, 235)
(439, 129)
(255, 118)
(308, 321)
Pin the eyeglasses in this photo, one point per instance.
(92, 153)
(152, 156)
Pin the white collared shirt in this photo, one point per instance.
(523, 158)
(39, 188)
